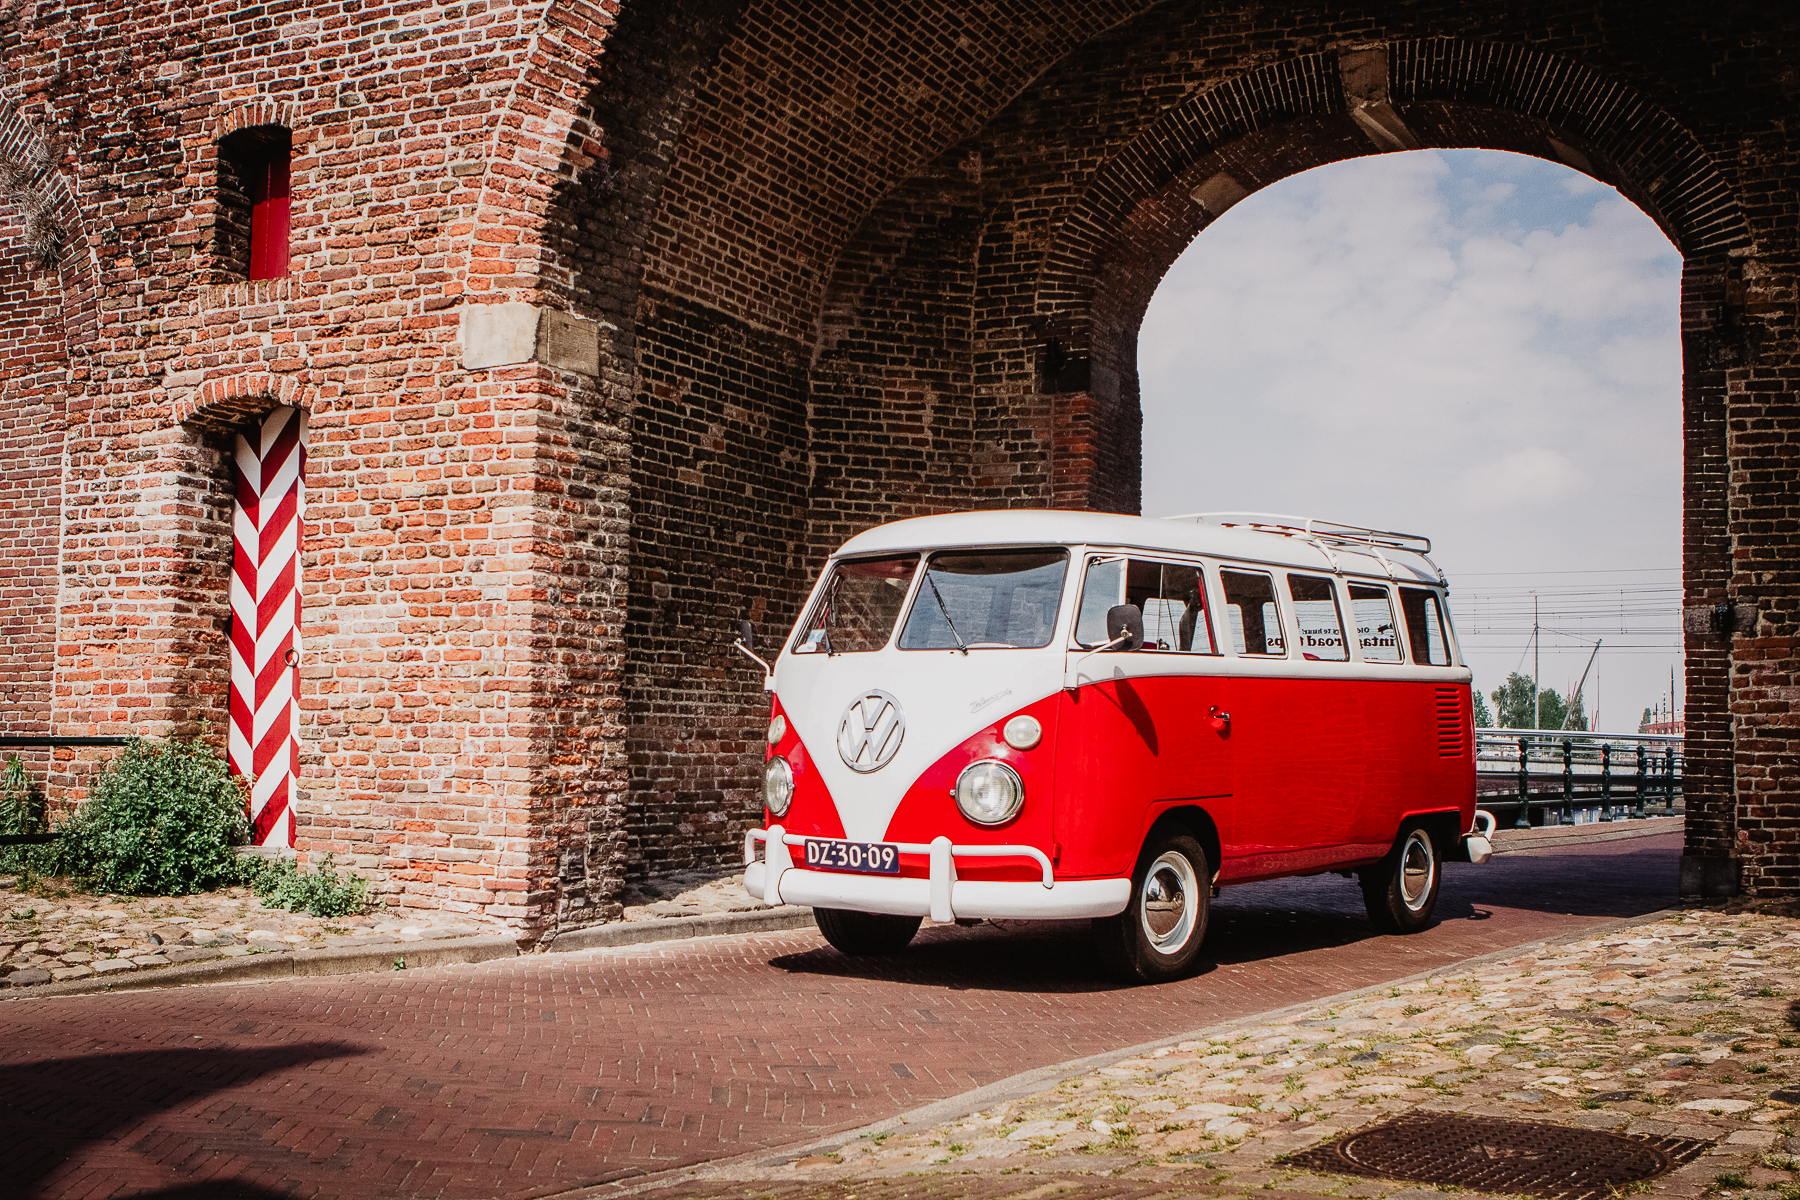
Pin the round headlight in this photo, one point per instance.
(778, 785)
(989, 792)
(777, 730)
(1023, 732)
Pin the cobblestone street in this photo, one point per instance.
(1680, 1028)
(538, 1075)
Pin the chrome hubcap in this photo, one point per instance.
(1168, 903)
(1418, 868)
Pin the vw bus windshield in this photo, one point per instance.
(986, 600)
(857, 610)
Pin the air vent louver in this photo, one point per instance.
(1451, 726)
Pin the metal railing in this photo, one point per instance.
(1529, 777)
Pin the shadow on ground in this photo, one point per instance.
(56, 1106)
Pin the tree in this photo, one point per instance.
(1644, 723)
(1513, 706)
(1483, 718)
(1577, 715)
(1512, 702)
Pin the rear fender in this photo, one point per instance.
(1444, 825)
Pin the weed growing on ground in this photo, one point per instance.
(322, 892)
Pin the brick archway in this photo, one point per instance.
(1056, 284)
(613, 318)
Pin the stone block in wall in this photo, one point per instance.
(501, 335)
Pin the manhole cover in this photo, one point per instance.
(1485, 1154)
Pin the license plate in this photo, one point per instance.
(870, 858)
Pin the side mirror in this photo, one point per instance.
(744, 644)
(1126, 621)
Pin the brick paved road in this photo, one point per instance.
(535, 1075)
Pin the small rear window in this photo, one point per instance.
(1375, 629)
(1425, 630)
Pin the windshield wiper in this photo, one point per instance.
(960, 644)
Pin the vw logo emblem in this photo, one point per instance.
(869, 735)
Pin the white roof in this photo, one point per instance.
(1042, 526)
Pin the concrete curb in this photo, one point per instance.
(637, 933)
(297, 964)
(1039, 1079)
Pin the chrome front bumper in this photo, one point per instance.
(942, 897)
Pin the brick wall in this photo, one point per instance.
(795, 269)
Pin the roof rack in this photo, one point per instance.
(1323, 534)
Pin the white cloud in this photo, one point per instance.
(1484, 346)
(1533, 476)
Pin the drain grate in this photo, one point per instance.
(1485, 1154)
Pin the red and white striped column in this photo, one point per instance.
(264, 742)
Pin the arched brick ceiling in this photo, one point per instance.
(812, 113)
(1077, 123)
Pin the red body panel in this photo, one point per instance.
(1130, 747)
(929, 809)
(811, 810)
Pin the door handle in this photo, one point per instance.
(1221, 721)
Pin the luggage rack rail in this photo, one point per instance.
(1323, 534)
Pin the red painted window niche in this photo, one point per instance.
(251, 226)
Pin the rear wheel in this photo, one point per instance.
(862, 933)
(1401, 890)
(1158, 936)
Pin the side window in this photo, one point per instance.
(1173, 600)
(1320, 635)
(1251, 614)
(1425, 627)
(1172, 597)
(1375, 629)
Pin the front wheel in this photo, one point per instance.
(1401, 890)
(863, 933)
(1158, 936)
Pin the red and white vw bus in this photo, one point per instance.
(1052, 715)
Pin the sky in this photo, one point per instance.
(1477, 346)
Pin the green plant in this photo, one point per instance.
(322, 892)
(161, 820)
(1729, 1179)
(21, 812)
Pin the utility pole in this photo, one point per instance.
(1537, 718)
